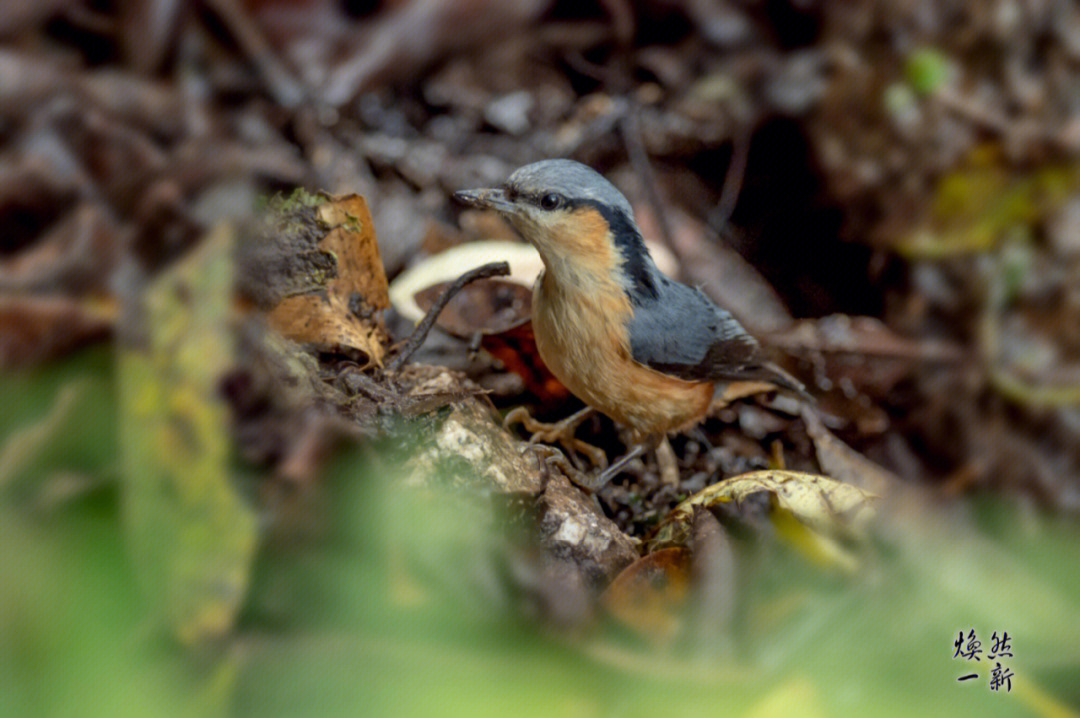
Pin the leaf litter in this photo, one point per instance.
(957, 371)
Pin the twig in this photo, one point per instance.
(975, 111)
(286, 90)
(93, 21)
(578, 62)
(493, 269)
(733, 180)
(991, 119)
(622, 19)
(356, 381)
(639, 160)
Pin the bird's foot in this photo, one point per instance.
(560, 432)
(551, 458)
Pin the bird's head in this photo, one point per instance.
(576, 219)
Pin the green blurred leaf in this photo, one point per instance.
(394, 601)
(71, 642)
(57, 418)
(928, 69)
(192, 535)
(979, 205)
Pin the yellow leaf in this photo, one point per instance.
(191, 534)
(822, 504)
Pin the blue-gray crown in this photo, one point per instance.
(573, 180)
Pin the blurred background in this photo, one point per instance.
(200, 517)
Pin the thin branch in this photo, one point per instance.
(639, 160)
(280, 82)
(414, 342)
(733, 180)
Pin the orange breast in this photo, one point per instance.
(581, 334)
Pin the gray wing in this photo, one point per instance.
(682, 333)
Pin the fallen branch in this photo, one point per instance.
(414, 342)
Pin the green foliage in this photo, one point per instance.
(381, 599)
(191, 534)
(928, 69)
(979, 206)
(58, 426)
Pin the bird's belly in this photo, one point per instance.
(584, 344)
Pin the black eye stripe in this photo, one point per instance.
(544, 200)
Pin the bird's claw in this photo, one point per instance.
(560, 432)
(551, 458)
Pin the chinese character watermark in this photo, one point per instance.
(972, 650)
(969, 648)
(1000, 646)
(1001, 677)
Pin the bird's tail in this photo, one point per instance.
(775, 375)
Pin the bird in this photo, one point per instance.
(630, 342)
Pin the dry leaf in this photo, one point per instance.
(76, 253)
(35, 329)
(824, 505)
(843, 463)
(324, 316)
(352, 240)
(862, 350)
(487, 306)
(498, 309)
(647, 594)
(516, 349)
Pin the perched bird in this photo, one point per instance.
(628, 341)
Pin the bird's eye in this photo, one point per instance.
(551, 201)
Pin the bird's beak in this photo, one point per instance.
(486, 199)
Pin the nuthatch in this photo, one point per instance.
(627, 340)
